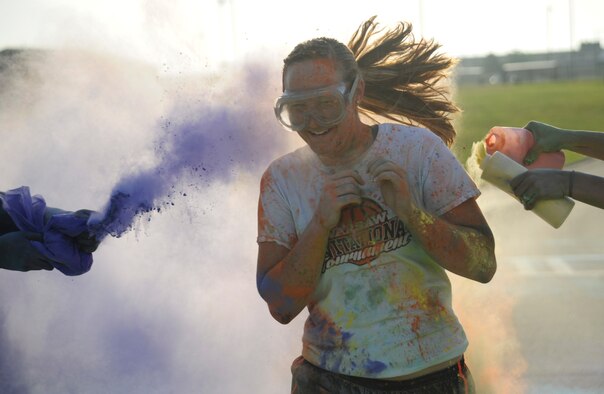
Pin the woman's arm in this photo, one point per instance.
(286, 279)
(460, 240)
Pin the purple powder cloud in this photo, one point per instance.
(210, 145)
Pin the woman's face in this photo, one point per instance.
(315, 74)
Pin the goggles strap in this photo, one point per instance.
(353, 89)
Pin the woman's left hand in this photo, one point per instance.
(393, 184)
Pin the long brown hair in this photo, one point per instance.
(403, 76)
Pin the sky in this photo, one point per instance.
(191, 36)
(172, 305)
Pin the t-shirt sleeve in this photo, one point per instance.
(446, 183)
(275, 220)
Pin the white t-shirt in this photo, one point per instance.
(382, 307)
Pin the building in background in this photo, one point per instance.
(586, 63)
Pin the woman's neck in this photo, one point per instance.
(361, 141)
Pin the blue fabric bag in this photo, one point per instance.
(59, 245)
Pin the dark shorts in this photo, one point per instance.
(309, 379)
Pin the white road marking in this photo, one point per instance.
(554, 265)
(523, 265)
(559, 265)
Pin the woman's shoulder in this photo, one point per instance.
(406, 134)
(291, 162)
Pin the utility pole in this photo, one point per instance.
(548, 30)
(571, 38)
(421, 17)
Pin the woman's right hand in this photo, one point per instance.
(18, 254)
(341, 189)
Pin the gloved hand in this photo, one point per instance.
(547, 139)
(540, 184)
(18, 254)
(85, 240)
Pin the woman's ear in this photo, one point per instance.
(360, 93)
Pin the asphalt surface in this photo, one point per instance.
(555, 281)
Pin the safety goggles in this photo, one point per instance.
(327, 106)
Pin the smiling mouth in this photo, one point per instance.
(320, 132)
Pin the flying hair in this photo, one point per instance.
(404, 77)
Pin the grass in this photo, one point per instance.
(577, 105)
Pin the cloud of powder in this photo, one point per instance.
(172, 305)
(201, 139)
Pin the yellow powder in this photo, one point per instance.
(479, 152)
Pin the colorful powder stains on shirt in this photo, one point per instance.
(382, 307)
(374, 367)
(364, 232)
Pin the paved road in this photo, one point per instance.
(556, 279)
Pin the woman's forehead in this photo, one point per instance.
(311, 74)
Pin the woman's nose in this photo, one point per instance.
(313, 124)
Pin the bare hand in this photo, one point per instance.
(540, 184)
(393, 184)
(341, 189)
(18, 254)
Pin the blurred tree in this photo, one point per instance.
(493, 69)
